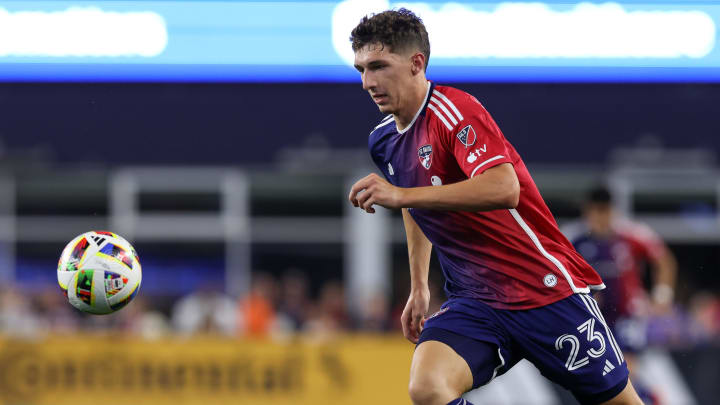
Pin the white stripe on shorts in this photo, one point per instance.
(602, 319)
(589, 301)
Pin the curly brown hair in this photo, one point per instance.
(400, 30)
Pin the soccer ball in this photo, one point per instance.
(99, 272)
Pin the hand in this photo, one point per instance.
(373, 189)
(662, 299)
(413, 316)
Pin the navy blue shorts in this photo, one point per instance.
(568, 341)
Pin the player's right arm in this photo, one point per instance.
(419, 248)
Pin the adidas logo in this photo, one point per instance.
(98, 240)
(608, 367)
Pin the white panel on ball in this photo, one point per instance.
(99, 272)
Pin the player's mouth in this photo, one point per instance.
(379, 98)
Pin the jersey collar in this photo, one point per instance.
(420, 110)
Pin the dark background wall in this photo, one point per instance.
(232, 123)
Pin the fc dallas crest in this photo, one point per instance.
(425, 156)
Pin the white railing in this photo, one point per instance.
(229, 225)
(366, 239)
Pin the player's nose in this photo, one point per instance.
(368, 81)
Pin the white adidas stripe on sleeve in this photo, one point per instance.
(449, 103)
(445, 110)
(442, 118)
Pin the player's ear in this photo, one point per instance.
(417, 63)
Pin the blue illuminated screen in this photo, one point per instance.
(288, 41)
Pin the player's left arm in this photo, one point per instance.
(495, 188)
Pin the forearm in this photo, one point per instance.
(666, 270)
(664, 278)
(419, 249)
(498, 188)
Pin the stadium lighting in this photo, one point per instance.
(536, 30)
(82, 32)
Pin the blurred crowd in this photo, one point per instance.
(281, 307)
(276, 307)
(640, 271)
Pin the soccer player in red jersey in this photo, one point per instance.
(516, 287)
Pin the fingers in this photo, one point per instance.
(367, 199)
(412, 334)
(358, 187)
(411, 330)
(408, 331)
(352, 199)
(419, 321)
(404, 323)
(410, 323)
(363, 197)
(354, 190)
(361, 193)
(415, 327)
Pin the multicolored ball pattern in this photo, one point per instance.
(99, 272)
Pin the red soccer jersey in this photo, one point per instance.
(509, 258)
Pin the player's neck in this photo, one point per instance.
(404, 118)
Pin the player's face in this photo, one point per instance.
(599, 218)
(385, 75)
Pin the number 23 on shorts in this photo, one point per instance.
(588, 333)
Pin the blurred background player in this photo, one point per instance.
(621, 250)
